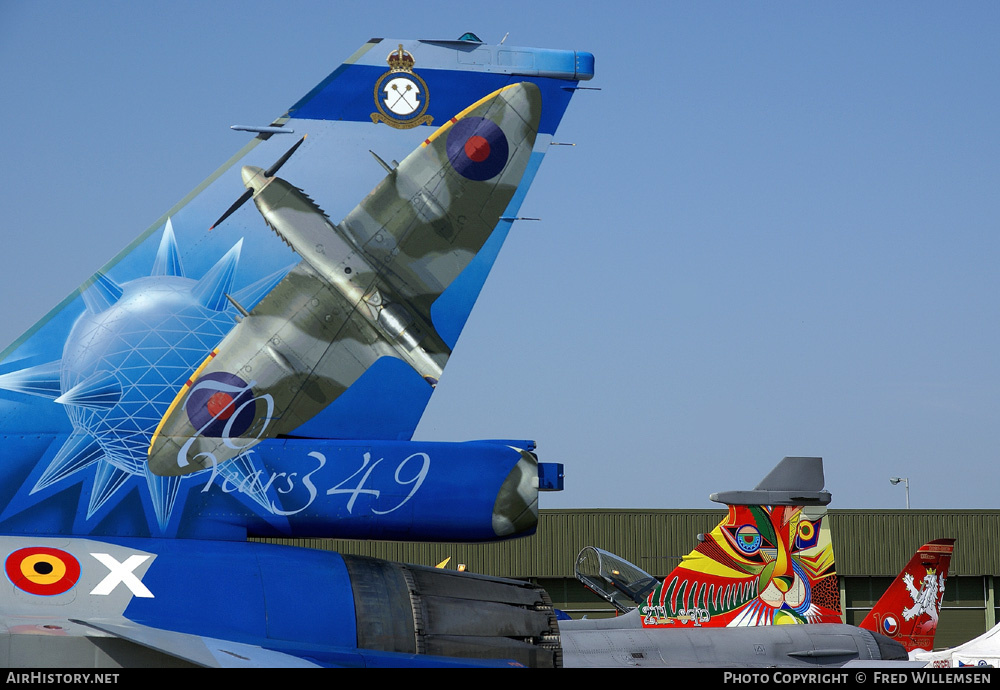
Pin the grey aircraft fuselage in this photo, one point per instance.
(622, 641)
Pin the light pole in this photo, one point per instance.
(906, 482)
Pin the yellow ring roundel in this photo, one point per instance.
(806, 530)
(41, 570)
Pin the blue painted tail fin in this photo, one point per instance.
(84, 390)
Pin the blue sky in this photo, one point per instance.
(777, 234)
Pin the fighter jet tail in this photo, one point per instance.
(908, 611)
(267, 376)
(770, 561)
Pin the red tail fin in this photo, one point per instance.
(908, 611)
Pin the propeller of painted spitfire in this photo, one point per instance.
(248, 194)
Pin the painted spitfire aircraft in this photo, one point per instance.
(364, 289)
(265, 379)
(739, 598)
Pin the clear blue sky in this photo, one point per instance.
(778, 234)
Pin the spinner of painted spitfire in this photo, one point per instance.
(365, 288)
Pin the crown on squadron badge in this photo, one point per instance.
(400, 94)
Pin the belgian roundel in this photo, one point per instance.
(477, 148)
(43, 571)
(220, 400)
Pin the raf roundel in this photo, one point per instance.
(221, 404)
(42, 571)
(477, 148)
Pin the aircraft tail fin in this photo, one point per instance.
(386, 99)
(770, 561)
(908, 611)
(84, 392)
(793, 481)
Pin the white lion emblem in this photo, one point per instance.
(927, 598)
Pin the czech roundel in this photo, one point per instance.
(477, 148)
(890, 626)
(42, 571)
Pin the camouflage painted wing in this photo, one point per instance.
(362, 291)
(427, 220)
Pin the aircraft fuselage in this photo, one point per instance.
(624, 642)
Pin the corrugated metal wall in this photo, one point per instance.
(880, 542)
(865, 542)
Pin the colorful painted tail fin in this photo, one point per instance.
(386, 99)
(908, 611)
(769, 562)
(350, 323)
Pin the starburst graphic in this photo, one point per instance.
(123, 361)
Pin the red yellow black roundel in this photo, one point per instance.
(44, 571)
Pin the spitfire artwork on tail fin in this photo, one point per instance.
(909, 609)
(364, 289)
(264, 378)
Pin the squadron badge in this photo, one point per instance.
(400, 94)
